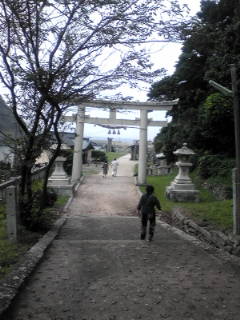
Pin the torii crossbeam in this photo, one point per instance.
(113, 106)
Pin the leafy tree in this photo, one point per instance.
(216, 117)
(52, 53)
(203, 118)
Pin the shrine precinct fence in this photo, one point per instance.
(9, 198)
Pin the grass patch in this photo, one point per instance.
(51, 214)
(11, 252)
(9, 255)
(216, 213)
(113, 155)
(37, 185)
(61, 201)
(91, 169)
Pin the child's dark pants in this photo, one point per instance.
(152, 222)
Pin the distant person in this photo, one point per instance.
(105, 169)
(146, 209)
(114, 165)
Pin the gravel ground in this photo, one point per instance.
(98, 269)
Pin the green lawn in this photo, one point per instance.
(61, 201)
(113, 155)
(11, 252)
(218, 213)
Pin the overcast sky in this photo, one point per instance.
(163, 55)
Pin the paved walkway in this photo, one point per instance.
(98, 269)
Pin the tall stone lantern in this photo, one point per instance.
(163, 168)
(182, 189)
(59, 180)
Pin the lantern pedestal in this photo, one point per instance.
(59, 180)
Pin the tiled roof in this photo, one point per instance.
(68, 139)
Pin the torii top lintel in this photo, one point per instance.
(112, 104)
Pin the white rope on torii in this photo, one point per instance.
(113, 106)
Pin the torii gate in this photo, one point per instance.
(113, 106)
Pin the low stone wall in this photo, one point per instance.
(221, 192)
(227, 242)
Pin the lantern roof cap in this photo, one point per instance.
(184, 151)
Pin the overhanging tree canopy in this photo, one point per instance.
(203, 119)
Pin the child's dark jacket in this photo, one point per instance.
(147, 204)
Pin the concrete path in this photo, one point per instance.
(98, 269)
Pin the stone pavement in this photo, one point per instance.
(98, 269)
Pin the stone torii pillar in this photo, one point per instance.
(109, 145)
(142, 162)
(78, 143)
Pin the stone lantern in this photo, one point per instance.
(163, 168)
(182, 189)
(59, 180)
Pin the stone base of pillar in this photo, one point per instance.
(55, 182)
(66, 190)
(158, 171)
(62, 186)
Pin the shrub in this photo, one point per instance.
(98, 155)
(215, 165)
(51, 197)
(32, 218)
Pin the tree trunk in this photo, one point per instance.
(25, 195)
(56, 153)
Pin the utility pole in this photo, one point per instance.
(236, 172)
(236, 205)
